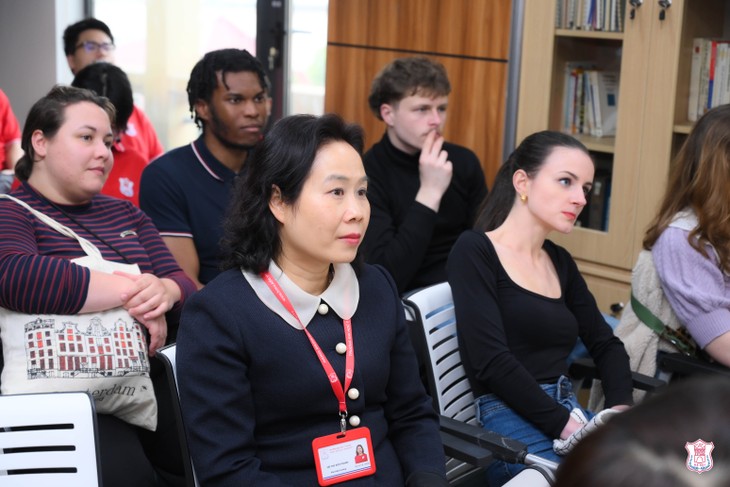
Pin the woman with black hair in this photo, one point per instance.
(521, 304)
(297, 353)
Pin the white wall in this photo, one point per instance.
(31, 49)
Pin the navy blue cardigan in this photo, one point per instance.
(254, 395)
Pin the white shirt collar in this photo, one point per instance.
(685, 220)
(342, 295)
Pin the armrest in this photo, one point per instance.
(681, 364)
(584, 368)
(502, 448)
(464, 451)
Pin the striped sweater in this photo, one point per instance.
(36, 275)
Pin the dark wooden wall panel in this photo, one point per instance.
(478, 28)
(470, 38)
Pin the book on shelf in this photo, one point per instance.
(578, 21)
(724, 69)
(719, 75)
(606, 92)
(698, 54)
(619, 11)
(594, 101)
(709, 76)
(587, 16)
(589, 123)
(704, 85)
(579, 102)
(711, 73)
(612, 16)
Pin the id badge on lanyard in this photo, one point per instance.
(343, 456)
(348, 454)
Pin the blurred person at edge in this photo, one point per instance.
(10, 150)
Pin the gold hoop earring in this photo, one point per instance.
(523, 198)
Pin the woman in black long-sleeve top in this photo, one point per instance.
(521, 303)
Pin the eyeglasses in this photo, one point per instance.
(91, 46)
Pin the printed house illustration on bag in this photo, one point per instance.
(67, 350)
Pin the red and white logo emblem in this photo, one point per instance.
(126, 187)
(699, 455)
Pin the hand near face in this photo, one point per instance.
(435, 171)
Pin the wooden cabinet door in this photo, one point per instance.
(470, 38)
(662, 63)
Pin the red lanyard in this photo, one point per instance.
(337, 387)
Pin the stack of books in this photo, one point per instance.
(590, 100)
(602, 15)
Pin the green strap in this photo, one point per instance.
(646, 316)
(658, 327)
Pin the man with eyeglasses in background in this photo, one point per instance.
(89, 41)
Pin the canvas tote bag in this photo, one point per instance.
(104, 353)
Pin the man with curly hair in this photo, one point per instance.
(423, 191)
(186, 191)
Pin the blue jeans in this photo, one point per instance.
(494, 415)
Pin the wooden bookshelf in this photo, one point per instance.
(653, 57)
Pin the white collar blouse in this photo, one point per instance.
(341, 296)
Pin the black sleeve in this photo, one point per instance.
(400, 249)
(472, 271)
(607, 350)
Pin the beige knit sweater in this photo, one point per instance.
(640, 341)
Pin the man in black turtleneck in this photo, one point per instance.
(423, 191)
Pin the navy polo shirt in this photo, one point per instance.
(186, 193)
